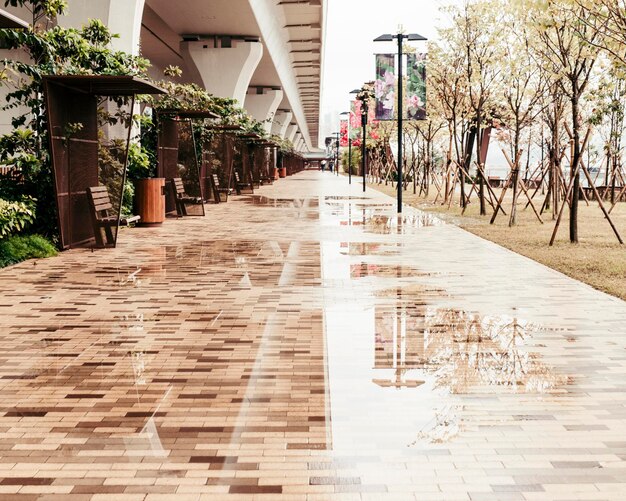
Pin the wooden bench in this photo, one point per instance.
(267, 179)
(180, 196)
(240, 185)
(102, 220)
(217, 189)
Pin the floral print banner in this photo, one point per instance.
(343, 131)
(416, 86)
(355, 129)
(355, 120)
(385, 86)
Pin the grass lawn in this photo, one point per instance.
(598, 260)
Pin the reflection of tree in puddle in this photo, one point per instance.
(442, 428)
(464, 353)
(468, 351)
(464, 350)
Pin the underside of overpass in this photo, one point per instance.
(267, 54)
(285, 68)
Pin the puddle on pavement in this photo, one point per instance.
(364, 269)
(349, 198)
(291, 203)
(367, 249)
(426, 360)
(410, 366)
(401, 225)
(464, 349)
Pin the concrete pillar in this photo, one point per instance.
(262, 103)
(291, 132)
(223, 65)
(282, 119)
(123, 17)
(297, 140)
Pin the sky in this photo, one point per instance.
(352, 26)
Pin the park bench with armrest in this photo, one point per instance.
(218, 190)
(180, 196)
(102, 220)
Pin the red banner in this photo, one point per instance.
(343, 130)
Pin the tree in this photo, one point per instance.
(566, 51)
(480, 28)
(448, 85)
(523, 87)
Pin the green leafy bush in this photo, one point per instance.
(15, 216)
(139, 166)
(19, 248)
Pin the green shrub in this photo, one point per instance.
(20, 248)
(15, 216)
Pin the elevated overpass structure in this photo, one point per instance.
(266, 54)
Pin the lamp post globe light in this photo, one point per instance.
(400, 37)
(349, 147)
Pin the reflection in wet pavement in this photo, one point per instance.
(308, 342)
(401, 225)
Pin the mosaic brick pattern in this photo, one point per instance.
(306, 343)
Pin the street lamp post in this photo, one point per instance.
(364, 95)
(400, 37)
(349, 160)
(364, 111)
(337, 136)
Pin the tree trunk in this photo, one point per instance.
(515, 176)
(573, 213)
(481, 179)
(469, 147)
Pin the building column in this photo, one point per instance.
(291, 132)
(122, 17)
(297, 140)
(262, 103)
(282, 119)
(223, 65)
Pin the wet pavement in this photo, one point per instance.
(307, 343)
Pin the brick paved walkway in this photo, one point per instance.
(304, 343)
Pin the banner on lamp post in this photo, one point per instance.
(385, 86)
(416, 87)
(343, 131)
(355, 120)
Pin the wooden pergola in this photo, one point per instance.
(171, 125)
(72, 103)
